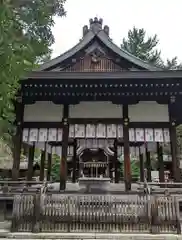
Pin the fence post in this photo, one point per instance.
(36, 213)
(154, 216)
(69, 216)
(147, 202)
(16, 213)
(3, 203)
(176, 202)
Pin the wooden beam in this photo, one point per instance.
(96, 121)
(116, 163)
(41, 125)
(173, 140)
(116, 121)
(74, 161)
(148, 165)
(63, 161)
(123, 75)
(42, 164)
(160, 162)
(127, 164)
(141, 165)
(49, 166)
(149, 124)
(30, 162)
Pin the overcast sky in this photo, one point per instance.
(161, 17)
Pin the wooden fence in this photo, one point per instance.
(95, 213)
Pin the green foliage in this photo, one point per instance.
(172, 64)
(55, 171)
(179, 140)
(37, 155)
(138, 44)
(135, 168)
(25, 38)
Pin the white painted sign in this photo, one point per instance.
(99, 131)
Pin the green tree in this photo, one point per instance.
(135, 166)
(140, 45)
(25, 38)
(144, 48)
(55, 170)
(173, 64)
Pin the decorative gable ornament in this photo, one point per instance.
(95, 56)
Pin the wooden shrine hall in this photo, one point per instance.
(94, 103)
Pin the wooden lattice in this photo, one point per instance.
(95, 213)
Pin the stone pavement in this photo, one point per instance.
(89, 236)
(6, 234)
(111, 187)
(76, 187)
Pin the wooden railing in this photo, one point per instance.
(37, 209)
(95, 213)
(161, 187)
(8, 189)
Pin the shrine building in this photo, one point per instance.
(96, 106)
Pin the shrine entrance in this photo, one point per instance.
(94, 163)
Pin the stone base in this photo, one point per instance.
(89, 236)
(6, 234)
(90, 184)
(5, 225)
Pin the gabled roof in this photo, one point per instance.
(96, 31)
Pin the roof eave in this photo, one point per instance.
(123, 54)
(38, 75)
(56, 61)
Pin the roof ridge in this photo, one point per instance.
(102, 33)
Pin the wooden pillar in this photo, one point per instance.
(63, 163)
(30, 162)
(160, 162)
(49, 165)
(148, 165)
(127, 164)
(74, 161)
(110, 169)
(173, 140)
(141, 165)
(42, 163)
(116, 163)
(17, 139)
